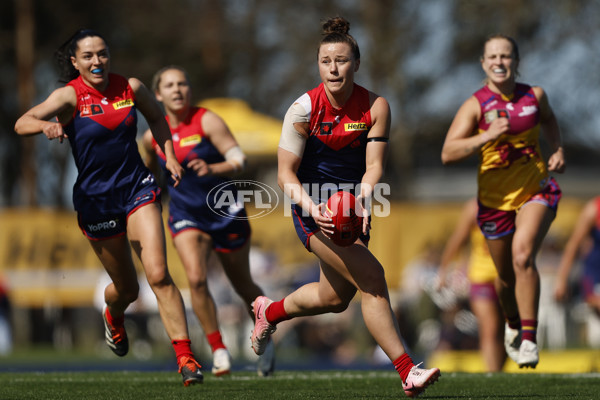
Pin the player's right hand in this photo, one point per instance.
(498, 127)
(324, 222)
(54, 130)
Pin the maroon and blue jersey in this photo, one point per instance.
(102, 135)
(112, 180)
(335, 150)
(191, 205)
(335, 153)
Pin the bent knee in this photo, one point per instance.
(131, 297)
(128, 294)
(159, 278)
(198, 285)
(337, 305)
(126, 290)
(522, 260)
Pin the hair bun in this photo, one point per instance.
(336, 25)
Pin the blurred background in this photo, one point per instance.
(248, 61)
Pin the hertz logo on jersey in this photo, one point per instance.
(122, 104)
(355, 126)
(190, 140)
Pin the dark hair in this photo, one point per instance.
(512, 41)
(67, 50)
(157, 76)
(335, 30)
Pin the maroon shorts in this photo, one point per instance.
(483, 291)
(496, 223)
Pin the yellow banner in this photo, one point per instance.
(45, 258)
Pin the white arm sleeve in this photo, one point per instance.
(236, 157)
(292, 140)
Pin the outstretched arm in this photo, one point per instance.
(148, 106)
(61, 104)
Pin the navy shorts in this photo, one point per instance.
(306, 227)
(98, 224)
(228, 234)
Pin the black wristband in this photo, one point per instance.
(378, 139)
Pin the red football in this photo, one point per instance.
(342, 209)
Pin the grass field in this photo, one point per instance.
(284, 385)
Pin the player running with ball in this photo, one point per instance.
(337, 133)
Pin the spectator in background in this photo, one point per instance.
(115, 195)
(482, 275)
(518, 199)
(210, 154)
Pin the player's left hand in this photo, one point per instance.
(176, 170)
(556, 162)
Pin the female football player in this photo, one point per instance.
(205, 146)
(115, 195)
(501, 122)
(337, 135)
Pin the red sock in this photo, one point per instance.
(215, 341)
(514, 322)
(275, 313)
(403, 364)
(529, 330)
(114, 321)
(182, 348)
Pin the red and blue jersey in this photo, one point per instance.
(102, 134)
(335, 150)
(190, 199)
(334, 157)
